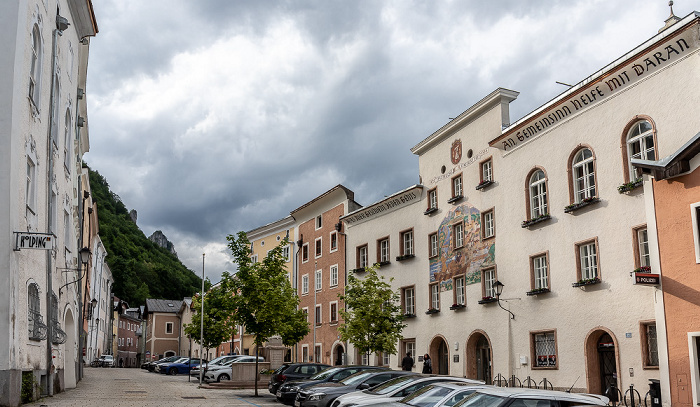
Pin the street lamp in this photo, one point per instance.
(498, 286)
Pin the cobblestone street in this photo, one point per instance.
(138, 387)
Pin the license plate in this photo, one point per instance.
(278, 394)
(297, 403)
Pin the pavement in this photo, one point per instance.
(104, 387)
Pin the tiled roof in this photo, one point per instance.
(171, 306)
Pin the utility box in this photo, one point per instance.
(655, 392)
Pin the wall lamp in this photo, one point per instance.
(499, 289)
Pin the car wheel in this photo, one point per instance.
(223, 376)
(172, 371)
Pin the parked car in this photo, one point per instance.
(435, 395)
(216, 361)
(151, 366)
(395, 389)
(323, 394)
(287, 392)
(224, 372)
(159, 364)
(518, 397)
(293, 371)
(180, 366)
(106, 361)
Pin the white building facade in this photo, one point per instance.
(43, 134)
(99, 311)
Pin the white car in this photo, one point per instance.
(223, 372)
(395, 389)
(517, 397)
(106, 361)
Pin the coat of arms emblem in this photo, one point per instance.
(456, 151)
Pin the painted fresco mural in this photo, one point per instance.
(470, 258)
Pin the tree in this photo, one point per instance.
(372, 319)
(218, 324)
(263, 300)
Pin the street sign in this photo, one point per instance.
(29, 240)
(647, 279)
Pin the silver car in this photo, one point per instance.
(515, 397)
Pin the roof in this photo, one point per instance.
(276, 226)
(348, 193)
(673, 165)
(166, 306)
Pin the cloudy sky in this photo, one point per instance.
(213, 116)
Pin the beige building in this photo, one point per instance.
(163, 328)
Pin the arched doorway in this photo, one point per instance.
(479, 357)
(339, 355)
(71, 352)
(601, 361)
(440, 355)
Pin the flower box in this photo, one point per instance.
(630, 186)
(534, 221)
(405, 257)
(643, 269)
(455, 199)
(589, 281)
(359, 270)
(488, 300)
(457, 306)
(484, 184)
(537, 291)
(384, 263)
(575, 206)
(429, 211)
(432, 311)
(407, 316)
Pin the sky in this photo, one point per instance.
(210, 117)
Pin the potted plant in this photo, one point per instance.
(535, 220)
(586, 281)
(536, 291)
(629, 186)
(432, 311)
(456, 306)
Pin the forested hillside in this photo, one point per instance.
(141, 269)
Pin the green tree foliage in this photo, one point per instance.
(141, 268)
(263, 300)
(218, 324)
(373, 320)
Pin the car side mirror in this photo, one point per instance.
(363, 386)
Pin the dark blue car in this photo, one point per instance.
(180, 366)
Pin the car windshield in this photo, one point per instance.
(392, 385)
(356, 378)
(324, 374)
(427, 396)
(181, 360)
(219, 360)
(480, 400)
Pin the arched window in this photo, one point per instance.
(537, 186)
(37, 328)
(640, 145)
(583, 175)
(35, 72)
(68, 142)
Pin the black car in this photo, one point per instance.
(293, 371)
(151, 366)
(287, 393)
(323, 394)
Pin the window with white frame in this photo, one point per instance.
(305, 284)
(488, 279)
(319, 280)
(460, 297)
(409, 301)
(457, 186)
(435, 296)
(458, 232)
(285, 253)
(583, 171)
(319, 221)
(305, 253)
(362, 256)
(386, 359)
(544, 349)
(410, 347)
(319, 247)
(67, 229)
(642, 247)
(334, 241)
(364, 358)
(640, 145)
(540, 274)
(318, 316)
(432, 199)
(305, 310)
(383, 250)
(488, 228)
(588, 260)
(487, 170)
(168, 327)
(35, 70)
(334, 275)
(433, 243)
(695, 225)
(254, 258)
(407, 242)
(538, 194)
(334, 311)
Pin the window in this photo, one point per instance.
(383, 250)
(488, 228)
(37, 329)
(254, 258)
(362, 256)
(435, 296)
(285, 253)
(385, 359)
(642, 247)
(457, 186)
(317, 353)
(409, 300)
(334, 275)
(409, 345)
(168, 327)
(305, 310)
(54, 109)
(583, 172)
(458, 233)
(35, 72)
(538, 194)
(695, 224)
(640, 145)
(319, 222)
(305, 353)
(488, 277)
(539, 271)
(650, 356)
(67, 230)
(305, 284)
(31, 185)
(318, 318)
(364, 359)
(460, 297)
(487, 170)
(407, 242)
(334, 311)
(305, 253)
(588, 260)
(432, 199)
(319, 247)
(319, 280)
(68, 142)
(334, 241)
(544, 349)
(433, 244)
